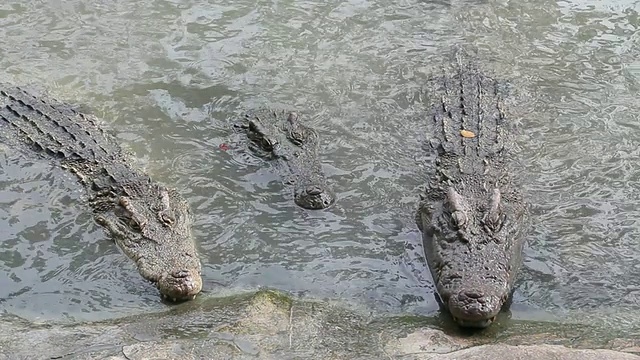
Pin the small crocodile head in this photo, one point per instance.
(154, 230)
(473, 247)
(294, 147)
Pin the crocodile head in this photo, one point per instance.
(154, 230)
(473, 245)
(294, 147)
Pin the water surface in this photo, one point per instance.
(170, 77)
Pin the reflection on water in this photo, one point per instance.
(171, 76)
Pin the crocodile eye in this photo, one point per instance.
(459, 219)
(267, 144)
(495, 225)
(135, 224)
(297, 137)
(166, 219)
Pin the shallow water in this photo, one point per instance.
(170, 77)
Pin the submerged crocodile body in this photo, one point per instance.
(150, 222)
(473, 216)
(279, 136)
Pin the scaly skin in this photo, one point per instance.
(280, 137)
(472, 216)
(150, 222)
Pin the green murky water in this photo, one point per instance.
(171, 76)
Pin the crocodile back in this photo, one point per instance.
(54, 128)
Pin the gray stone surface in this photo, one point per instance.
(531, 352)
(431, 344)
(268, 325)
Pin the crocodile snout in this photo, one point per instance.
(180, 285)
(314, 197)
(474, 308)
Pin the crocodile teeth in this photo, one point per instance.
(193, 297)
(174, 299)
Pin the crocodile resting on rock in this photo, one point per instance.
(281, 137)
(150, 222)
(473, 216)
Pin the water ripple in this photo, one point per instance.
(170, 77)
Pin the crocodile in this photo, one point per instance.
(473, 215)
(149, 222)
(279, 136)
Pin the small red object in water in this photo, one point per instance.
(224, 147)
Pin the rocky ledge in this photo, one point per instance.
(270, 325)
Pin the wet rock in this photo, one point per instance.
(428, 344)
(626, 345)
(531, 352)
(184, 349)
(425, 341)
(270, 325)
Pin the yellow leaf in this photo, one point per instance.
(467, 134)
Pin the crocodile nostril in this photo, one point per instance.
(180, 273)
(314, 190)
(474, 294)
